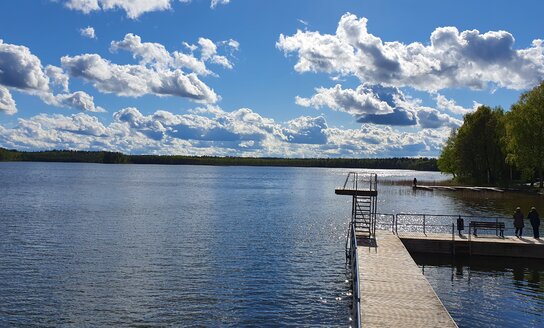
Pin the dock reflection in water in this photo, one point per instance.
(487, 291)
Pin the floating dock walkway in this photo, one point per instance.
(389, 290)
(393, 290)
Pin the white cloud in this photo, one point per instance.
(137, 80)
(88, 32)
(208, 48)
(212, 131)
(182, 60)
(222, 60)
(452, 59)
(215, 3)
(191, 47)
(85, 6)
(7, 104)
(358, 102)
(379, 105)
(450, 105)
(23, 71)
(149, 53)
(307, 130)
(133, 8)
(156, 55)
(235, 45)
(208, 51)
(20, 69)
(158, 71)
(57, 76)
(78, 100)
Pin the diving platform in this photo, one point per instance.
(393, 290)
(355, 192)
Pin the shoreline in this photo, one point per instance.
(103, 157)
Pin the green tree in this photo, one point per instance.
(447, 162)
(477, 152)
(525, 130)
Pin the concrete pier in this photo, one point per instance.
(394, 292)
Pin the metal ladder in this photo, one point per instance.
(363, 216)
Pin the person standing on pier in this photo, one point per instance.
(518, 222)
(535, 222)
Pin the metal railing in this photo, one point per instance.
(354, 269)
(364, 206)
(440, 223)
(361, 181)
(385, 221)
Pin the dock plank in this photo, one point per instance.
(394, 292)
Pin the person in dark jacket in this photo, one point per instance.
(518, 222)
(535, 222)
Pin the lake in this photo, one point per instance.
(150, 245)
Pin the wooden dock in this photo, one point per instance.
(394, 292)
(456, 188)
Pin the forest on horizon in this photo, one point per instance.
(76, 156)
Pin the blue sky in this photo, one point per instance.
(305, 78)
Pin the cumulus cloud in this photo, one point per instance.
(307, 130)
(358, 102)
(452, 59)
(57, 76)
(78, 100)
(137, 80)
(20, 69)
(88, 32)
(156, 55)
(379, 105)
(133, 8)
(7, 104)
(23, 71)
(212, 131)
(451, 106)
(208, 125)
(148, 53)
(209, 52)
(158, 71)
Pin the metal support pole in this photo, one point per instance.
(453, 238)
(424, 225)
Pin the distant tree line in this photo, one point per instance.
(420, 164)
(497, 147)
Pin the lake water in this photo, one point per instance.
(129, 245)
(488, 291)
